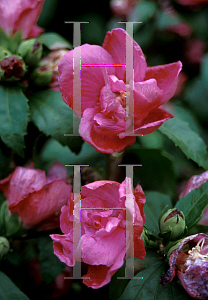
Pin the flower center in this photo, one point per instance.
(194, 253)
(121, 97)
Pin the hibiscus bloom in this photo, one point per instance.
(190, 262)
(104, 117)
(103, 231)
(37, 199)
(21, 15)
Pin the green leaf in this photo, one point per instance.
(54, 117)
(149, 287)
(188, 140)
(188, 116)
(9, 291)
(54, 41)
(195, 89)
(155, 203)
(172, 291)
(13, 117)
(117, 286)
(154, 161)
(51, 266)
(146, 288)
(54, 151)
(193, 204)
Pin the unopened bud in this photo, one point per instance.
(31, 51)
(172, 224)
(41, 76)
(12, 68)
(10, 223)
(4, 246)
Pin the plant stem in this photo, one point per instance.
(114, 172)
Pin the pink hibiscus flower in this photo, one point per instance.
(103, 232)
(104, 118)
(21, 14)
(37, 199)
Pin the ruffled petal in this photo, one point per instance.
(92, 78)
(105, 190)
(150, 91)
(167, 78)
(101, 275)
(24, 181)
(21, 14)
(102, 250)
(153, 121)
(115, 44)
(42, 204)
(63, 248)
(104, 143)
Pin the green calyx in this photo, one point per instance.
(4, 53)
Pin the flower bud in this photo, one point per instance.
(189, 260)
(4, 246)
(172, 224)
(41, 77)
(10, 223)
(31, 51)
(12, 68)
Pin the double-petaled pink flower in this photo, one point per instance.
(21, 15)
(37, 199)
(103, 231)
(105, 120)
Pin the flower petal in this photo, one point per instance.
(102, 142)
(42, 204)
(20, 14)
(153, 121)
(102, 250)
(63, 248)
(115, 44)
(22, 182)
(167, 78)
(105, 190)
(58, 171)
(92, 78)
(101, 275)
